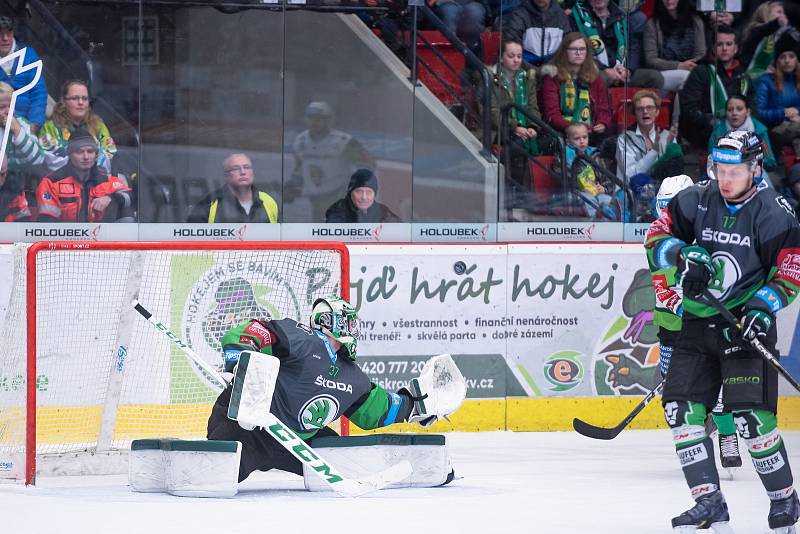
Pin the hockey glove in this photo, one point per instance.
(755, 324)
(437, 392)
(695, 270)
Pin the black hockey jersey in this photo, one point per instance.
(755, 245)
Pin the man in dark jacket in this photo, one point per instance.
(539, 25)
(722, 75)
(238, 201)
(359, 205)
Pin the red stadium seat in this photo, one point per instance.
(789, 158)
(451, 55)
(490, 42)
(543, 180)
(621, 113)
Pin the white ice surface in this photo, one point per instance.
(513, 483)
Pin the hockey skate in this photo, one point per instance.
(710, 512)
(783, 514)
(729, 451)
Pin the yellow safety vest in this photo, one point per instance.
(270, 206)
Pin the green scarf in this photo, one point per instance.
(576, 103)
(518, 89)
(719, 96)
(586, 26)
(763, 57)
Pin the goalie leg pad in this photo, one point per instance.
(359, 456)
(185, 468)
(253, 386)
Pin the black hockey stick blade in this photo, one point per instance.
(755, 343)
(598, 432)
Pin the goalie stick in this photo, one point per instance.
(755, 343)
(288, 439)
(599, 432)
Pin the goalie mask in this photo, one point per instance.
(335, 317)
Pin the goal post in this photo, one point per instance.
(83, 375)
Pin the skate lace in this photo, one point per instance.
(729, 445)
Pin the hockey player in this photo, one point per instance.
(318, 381)
(667, 316)
(738, 239)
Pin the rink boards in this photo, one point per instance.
(542, 332)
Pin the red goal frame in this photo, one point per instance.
(66, 246)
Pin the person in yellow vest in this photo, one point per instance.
(238, 201)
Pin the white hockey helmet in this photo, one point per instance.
(670, 187)
(335, 317)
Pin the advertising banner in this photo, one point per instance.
(568, 320)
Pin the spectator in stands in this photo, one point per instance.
(647, 154)
(720, 74)
(466, 18)
(358, 205)
(572, 89)
(778, 94)
(82, 191)
(674, 41)
(592, 187)
(324, 160)
(767, 24)
(738, 117)
(23, 149)
(74, 111)
(238, 200)
(540, 25)
(606, 27)
(515, 83)
(31, 104)
(13, 204)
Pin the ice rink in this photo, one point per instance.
(512, 482)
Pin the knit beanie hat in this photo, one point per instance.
(789, 41)
(363, 178)
(79, 138)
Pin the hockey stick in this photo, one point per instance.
(755, 343)
(288, 439)
(599, 432)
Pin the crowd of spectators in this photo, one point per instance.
(715, 71)
(559, 65)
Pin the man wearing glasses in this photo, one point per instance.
(31, 104)
(646, 154)
(238, 201)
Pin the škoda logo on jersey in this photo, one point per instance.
(318, 412)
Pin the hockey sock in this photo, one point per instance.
(759, 428)
(724, 422)
(693, 446)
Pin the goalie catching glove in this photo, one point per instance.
(437, 392)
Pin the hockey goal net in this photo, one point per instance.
(82, 374)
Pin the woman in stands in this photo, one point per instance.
(778, 94)
(515, 83)
(674, 41)
(74, 111)
(760, 35)
(572, 89)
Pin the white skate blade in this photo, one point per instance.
(721, 527)
(784, 530)
(731, 472)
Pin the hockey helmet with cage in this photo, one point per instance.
(335, 317)
(671, 186)
(739, 146)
